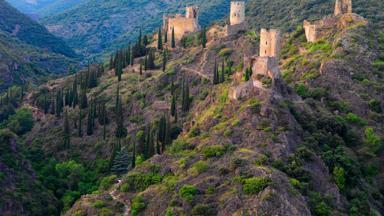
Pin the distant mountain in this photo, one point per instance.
(41, 8)
(97, 25)
(28, 52)
(102, 26)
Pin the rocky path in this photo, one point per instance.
(115, 196)
(199, 73)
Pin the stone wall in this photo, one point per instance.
(237, 14)
(343, 7)
(269, 43)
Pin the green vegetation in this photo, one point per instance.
(254, 185)
(214, 151)
(141, 181)
(188, 192)
(198, 168)
(138, 205)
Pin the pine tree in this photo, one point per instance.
(121, 161)
(164, 59)
(159, 40)
(66, 131)
(173, 39)
(204, 38)
(185, 98)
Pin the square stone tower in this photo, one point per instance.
(343, 7)
(237, 15)
(269, 43)
(191, 12)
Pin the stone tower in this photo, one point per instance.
(191, 13)
(237, 15)
(343, 7)
(269, 43)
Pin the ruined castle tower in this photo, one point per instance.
(343, 7)
(269, 43)
(182, 24)
(191, 13)
(311, 31)
(237, 14)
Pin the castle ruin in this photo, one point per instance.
(343, 7)
(313, 30)
(265, 66)
(182, 24)
(236, 18)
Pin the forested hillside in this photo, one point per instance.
(104, 26)
(42, 8)
(29, 53)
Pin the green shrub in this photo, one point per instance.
(339, 176)
(255, 185)
(107, 182)
(21, 122)
(198, 168)
(353, 118)
(179, 146)
(375, 106)
(138, 205)
(188, 192)
(99, 204)
(105, 212)
(373, 141)
(214, 151)
(318, 205)
(141, 181)
(79, 213)
(204, 210)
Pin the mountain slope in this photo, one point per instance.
(42, 8)
(28, 52)
(100, 26)
(30, 32)
(103, 26)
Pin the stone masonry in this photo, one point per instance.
(236, 18)
(182, 24)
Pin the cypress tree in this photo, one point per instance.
(147, 142)
(74, 92)
(119, 71)
(151, 60)
(215, 74)
(164, 59)
(173, 40)
(145, 40)
(141, 69)
(159, 40)
(59, 103)
(185, 98)
(80, 132)
(131, 57)
(166, 36)
(89, 122)
(45, 105)
(133, 164)
(121, 131)
(83, 99)
(222, 77)
(173, 106)
(66, 131)
(146, 63)
(204, 38)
